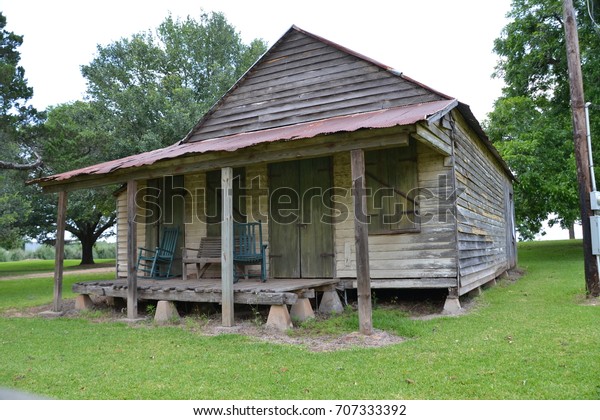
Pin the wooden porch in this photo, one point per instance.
(278, 293)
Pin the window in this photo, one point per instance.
(391, 179)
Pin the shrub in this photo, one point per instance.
(105, 250)
(4, 255)
(44, 252)
(73, 251)
(17, 254)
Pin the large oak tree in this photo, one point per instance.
(143, 92)
(531, 122)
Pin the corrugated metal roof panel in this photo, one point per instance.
(385, 118)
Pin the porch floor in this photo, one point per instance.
(272, 292)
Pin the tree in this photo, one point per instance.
(14, 207)
(144, 92)
(19, 133)
(75, 136)
(18, 121)
(158, 84)
(531, 122)
(540, 154)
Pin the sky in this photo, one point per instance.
(446, 45)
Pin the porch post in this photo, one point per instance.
(59, 257)
(132, 298)
(361, 241)
(227, 248)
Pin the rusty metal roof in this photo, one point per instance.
(385, 118)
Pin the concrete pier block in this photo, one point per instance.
(331, 303)
(302, 310)
(83, 302)
(166, 312)
(476, 292)
(279, 317)
(452, 306)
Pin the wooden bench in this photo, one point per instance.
(248, 250)
(208, 252)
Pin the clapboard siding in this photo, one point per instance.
(195, 227)
(257, 205)
(122, 230)
(122, 234)
(481, 210)
(304, 79)
(429, 254)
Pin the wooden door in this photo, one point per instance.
(301, 236)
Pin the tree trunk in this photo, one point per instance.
(87, 249)
(572, 231)
(88, 233)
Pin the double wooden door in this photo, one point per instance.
(300, 226)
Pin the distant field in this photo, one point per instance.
(24, 267)
(536, 338)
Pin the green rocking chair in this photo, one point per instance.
(249, 248)
(156, 263)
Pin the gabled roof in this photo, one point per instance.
(302, 87)
(304, 78)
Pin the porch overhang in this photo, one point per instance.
(139, 166)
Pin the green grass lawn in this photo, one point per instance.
(530, 339)
(18, 268)
(36, 291)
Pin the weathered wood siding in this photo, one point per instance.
(305, 79)
(481, 209)
(122, 235)
(122, 230)
(421, 260)
(195, 226)
(257, 202)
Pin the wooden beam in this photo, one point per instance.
(59, 257)
(227, 247)
(361, 241)
(425, 136)
(200, 295)
(132, 298)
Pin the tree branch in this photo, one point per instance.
(111, 222)
(22, 166)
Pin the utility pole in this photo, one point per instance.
(582, 159)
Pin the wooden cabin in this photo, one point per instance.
(439, 200)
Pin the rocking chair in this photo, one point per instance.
(156, 263)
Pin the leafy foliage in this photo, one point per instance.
(531, 122)
(156, 85)
(144, 92)
(18, 121)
